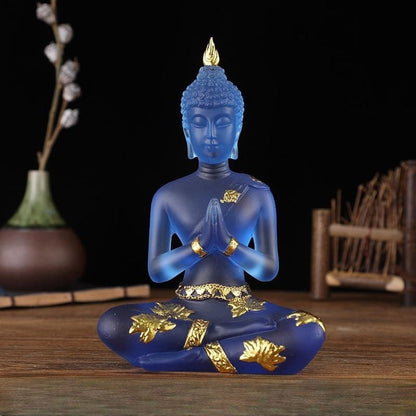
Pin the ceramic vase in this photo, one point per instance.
(38, 250)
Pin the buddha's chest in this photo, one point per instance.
(239, 208)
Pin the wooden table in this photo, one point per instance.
(52, 363)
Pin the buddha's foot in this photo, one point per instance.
(230, 329)
(193, 359)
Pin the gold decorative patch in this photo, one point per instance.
(196, 333)
(230, 195)
(148, 326)
(172, 310)
(239, 306)
(256, 180)
(218, 357)
(303, 318)
(263, 352)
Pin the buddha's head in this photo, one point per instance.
(211, 90)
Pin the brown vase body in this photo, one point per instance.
(40, 259)
(38, 251)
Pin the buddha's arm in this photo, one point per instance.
(167, 265)
(262, 261)
(164, 263)
(262, 266)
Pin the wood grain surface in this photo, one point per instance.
(52, 363)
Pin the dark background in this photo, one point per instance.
(329, 94)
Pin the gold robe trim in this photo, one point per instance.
(218, 357)
(196, 333)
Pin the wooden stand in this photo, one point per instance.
(409, 231)
(327, 270)
(320, 253)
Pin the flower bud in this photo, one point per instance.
(68, 72)
(45, 13)
(65, 33)
(51, 52)
(71, 92)
(69, 118)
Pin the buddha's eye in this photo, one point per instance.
(198, 121)
(223, 122)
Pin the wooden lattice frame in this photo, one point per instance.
(375, 247)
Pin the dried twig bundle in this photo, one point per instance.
(378, 204)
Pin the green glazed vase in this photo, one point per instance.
(38, 250)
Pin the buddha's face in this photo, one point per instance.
(211, 133)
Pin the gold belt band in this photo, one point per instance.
(219, 358)
(212, 291)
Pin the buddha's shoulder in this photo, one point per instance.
(252, 181)
(176, 185)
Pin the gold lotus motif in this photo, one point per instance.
(149, 325)
(303, 318)
(172, 310)
(239, 306)
(263, 352)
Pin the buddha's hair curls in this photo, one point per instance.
(211, 89)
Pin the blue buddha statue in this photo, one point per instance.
(226, 223)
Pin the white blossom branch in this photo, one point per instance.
(65, 90)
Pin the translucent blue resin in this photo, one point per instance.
(213, 322)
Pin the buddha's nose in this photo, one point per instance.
(211, 132)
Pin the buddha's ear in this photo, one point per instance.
(234, 151)
(191, 153)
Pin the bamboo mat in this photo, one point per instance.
(99, 294)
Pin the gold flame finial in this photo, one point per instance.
(211, 56)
